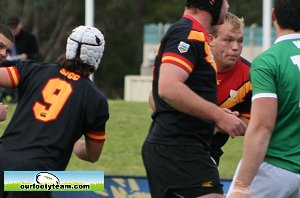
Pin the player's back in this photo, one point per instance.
(55, 108)
(275, 73)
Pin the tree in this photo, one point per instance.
(52, 20)
(170, 11)
(123, 28)
(122, 22)
(251, 11)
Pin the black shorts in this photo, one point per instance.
(185, 171)
(218, 141)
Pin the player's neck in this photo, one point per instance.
(203, 17)
(282, 32)
(225, 69)
(221, 68)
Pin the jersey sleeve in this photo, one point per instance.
(13, 75)
(97, 118)
(263, 77)
(19, 71)
(241, 101)
(184, 52)
(246, 106)
(244, 95)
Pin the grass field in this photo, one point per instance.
(126, 130)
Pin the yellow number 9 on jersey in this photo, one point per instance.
(55, 95)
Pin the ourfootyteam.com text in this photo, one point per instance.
(49, 187)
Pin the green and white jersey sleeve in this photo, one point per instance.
(276, 73)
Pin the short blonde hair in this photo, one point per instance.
(232, 19)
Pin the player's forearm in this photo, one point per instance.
(151, 102)
(255, 147)
(257, 137)
(88, 150)
(3, 111)
(80, 151)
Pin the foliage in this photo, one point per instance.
(251, 11)
(50, 27)
(122, 21)
(170, 11)
(123, 54)
(164, 11)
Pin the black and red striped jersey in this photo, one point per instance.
(234, 88)
(55, 108)
(234, 93)
(184, 45)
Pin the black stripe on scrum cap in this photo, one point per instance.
(98, 41)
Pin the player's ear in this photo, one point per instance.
(273, 15)
(211, 40)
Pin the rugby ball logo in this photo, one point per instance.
(46, 178)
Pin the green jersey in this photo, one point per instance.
(276, 73)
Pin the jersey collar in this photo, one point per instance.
(287, 37)
(196, 25)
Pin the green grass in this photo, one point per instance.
(126, 130)
(231, 157)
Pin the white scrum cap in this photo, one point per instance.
(87, 43)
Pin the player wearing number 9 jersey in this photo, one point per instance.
(57, 105)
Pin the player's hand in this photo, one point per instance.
(231, 124)
(3, 112)
(236, 113)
